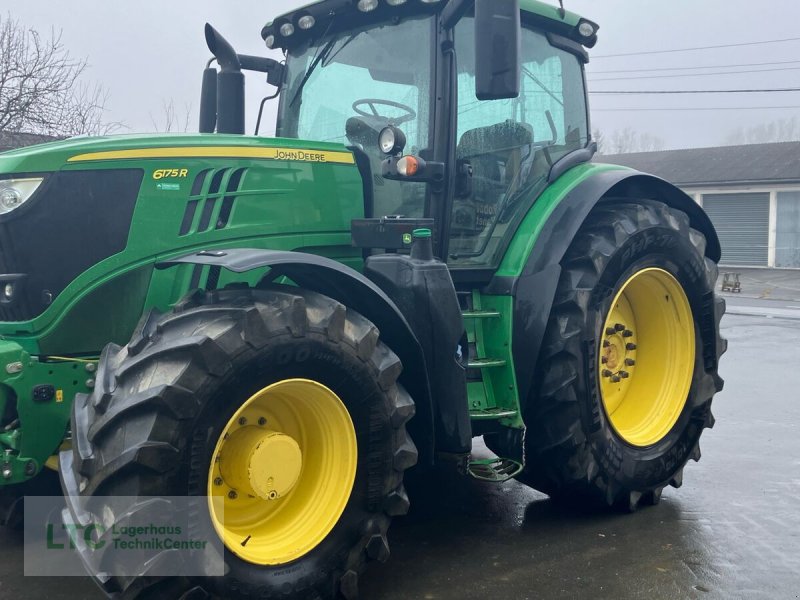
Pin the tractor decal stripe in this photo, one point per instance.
(292, 154)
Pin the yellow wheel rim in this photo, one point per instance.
(282, 472)
(646, 357)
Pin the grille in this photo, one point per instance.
(210, 201)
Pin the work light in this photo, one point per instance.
(306, 22)
(367, 5)
(391, 140)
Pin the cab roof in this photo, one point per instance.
(541, 14)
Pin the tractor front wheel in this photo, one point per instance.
(283, 408)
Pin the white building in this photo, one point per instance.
(751, 193)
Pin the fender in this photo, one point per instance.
(355, 291)
(535, 287)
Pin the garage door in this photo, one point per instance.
(787, 240)
(742, 222)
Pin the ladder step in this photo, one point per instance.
(485, 363)
(480, 314)
(492, 413)
(494, 470)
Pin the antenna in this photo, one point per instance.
(562, 13)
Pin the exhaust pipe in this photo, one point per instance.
(229, 86)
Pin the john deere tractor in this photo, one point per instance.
(424, 254)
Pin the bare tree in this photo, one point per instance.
(41, 89)
(600, 139)
(782, 130)
(171, 120)
(627, 140)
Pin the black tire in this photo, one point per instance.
(151, 424)
(12, 497)
(572, 451)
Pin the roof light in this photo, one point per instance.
(270, 41)
(367, 5)
(586, 29)
(395, 2)
(431, 1)
(306, 22)
(287, 29)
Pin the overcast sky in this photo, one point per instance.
(147, 52)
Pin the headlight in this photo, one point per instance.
(15, 192)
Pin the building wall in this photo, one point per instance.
(783, 233)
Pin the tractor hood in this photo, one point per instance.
(109, 208)
(53, 156)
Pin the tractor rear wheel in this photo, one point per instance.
(628, 366)
(280, 405)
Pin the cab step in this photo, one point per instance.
(494, 470)
(485, 363)
(480, 314)
(489, 414)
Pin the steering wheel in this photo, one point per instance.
(373, 102)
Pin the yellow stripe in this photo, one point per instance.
(293, 154)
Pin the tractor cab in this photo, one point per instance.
(487, 100)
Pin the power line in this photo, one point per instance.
(696, 74)
(696, 108)
(754, 91)
(792, 39)
(758, 64)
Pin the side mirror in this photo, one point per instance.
(498, 49)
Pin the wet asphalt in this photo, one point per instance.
(732, 531)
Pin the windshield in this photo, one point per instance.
(347, 88)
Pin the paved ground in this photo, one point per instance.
(732, 531)
(775, 284)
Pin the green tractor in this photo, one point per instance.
(425, 254)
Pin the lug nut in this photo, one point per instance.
(630, 346)
(606, 343)
(233, 495)
(629, 362)
(242, 421)
(218, 481)
(624, 374)
(615, 379)
(262, 421)
(610, 331)
(619, 327)
(604, 359)
(607, 373)
(627, 333)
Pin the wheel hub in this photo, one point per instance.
(259, 463)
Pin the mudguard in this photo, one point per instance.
(535, 287)
(351, 288)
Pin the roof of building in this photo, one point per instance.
(9, 140)
(752, 163)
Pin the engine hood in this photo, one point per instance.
(53, 156)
